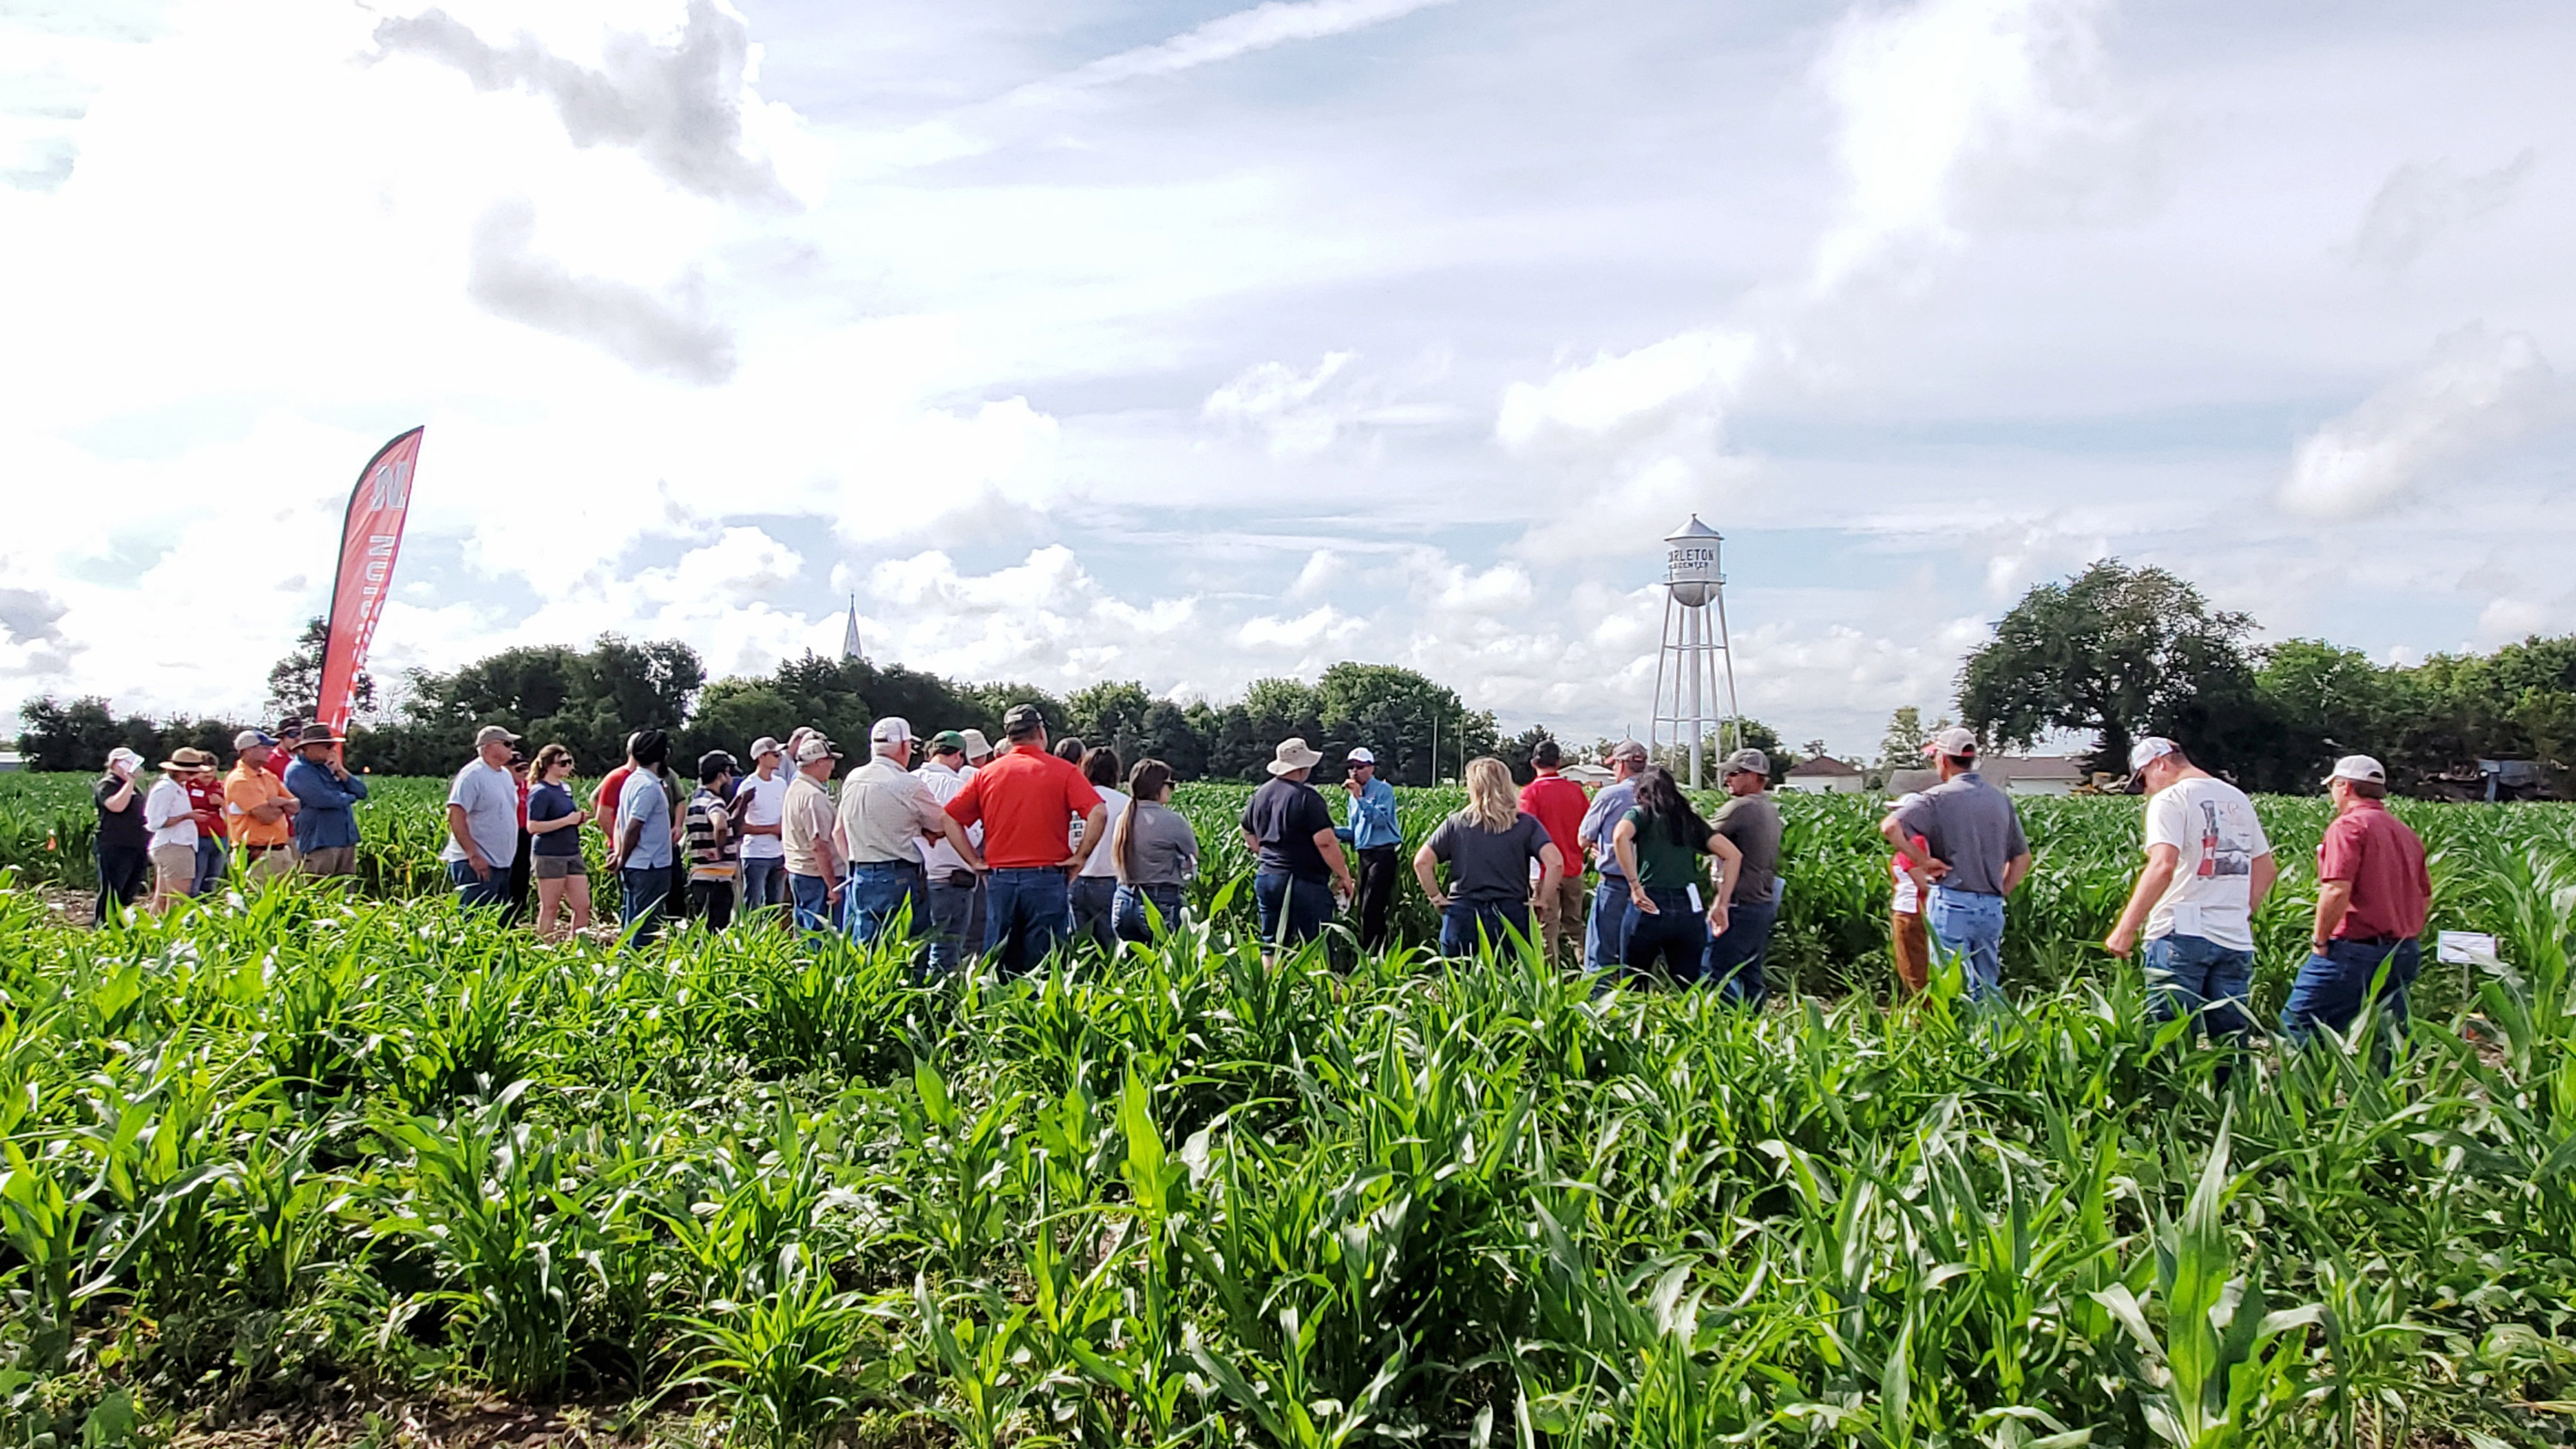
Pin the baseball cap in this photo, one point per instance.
(1628, 750)
(2359, 767)
(1954, 742)
(976, 744)
(242, 741)
(1747, 762)
(765, 745)
(493, 735)
(1361, 755)
(894, 729)
(815, 747)
(2153, 747)
(946, 741)
(1021, 717)
(714, 763)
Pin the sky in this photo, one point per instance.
(1193, 344)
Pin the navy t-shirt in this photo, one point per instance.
(1284, 816)
(552, 802)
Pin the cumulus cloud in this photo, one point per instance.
(31, 629)
(670, 335)
(1690, 375)
(1956, 113)
(1274, 22)
(2477, 391)
(679, 106)
(1300, 414)
(2422, 199)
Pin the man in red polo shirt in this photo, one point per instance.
(2372, 897)
(1025, 799)
(1558, 804)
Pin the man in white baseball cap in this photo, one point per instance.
(1977, 856)
(886, 812)
(1610, 896)
(2373, 894)
(1371, 831)
(2208, 869)
(807, 830)
(759, 806)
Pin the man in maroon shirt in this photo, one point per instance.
(1558, 805)
(2372, 895)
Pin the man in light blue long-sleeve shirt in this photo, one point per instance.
(1374, 834)
(1610, 897)
(326, 828)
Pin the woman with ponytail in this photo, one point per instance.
(1155, 854)
(1659, 845)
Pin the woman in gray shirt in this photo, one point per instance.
(1156, 854)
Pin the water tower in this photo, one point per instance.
(1695, 672)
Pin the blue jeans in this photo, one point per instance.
(882, 894)
(1026, 916)
(2188, 974)
(1970, 926)
(1293, 905)
(640, 912)
(2334, 985)
(474, 892)
(1094, 898)
(812, 895)
(764, 881)
(1672, 936)
(1733, 962)
(1135, 907)
(210, 863)
(1609, 919)
(956, 924)
(1495, 923)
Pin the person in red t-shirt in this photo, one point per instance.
(1023, 800)
(205, 787)
(604, 799)
(1558, 805)
(2373, 894)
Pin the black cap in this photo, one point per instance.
(714, 763)
(1019, 719)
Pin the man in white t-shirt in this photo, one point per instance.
(759, 814)
(2208, 868)
(956, 892)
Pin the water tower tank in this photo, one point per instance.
(1690, 563)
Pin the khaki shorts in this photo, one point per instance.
(557, 867)
(265, 864)
(174, 869)
(331, 860)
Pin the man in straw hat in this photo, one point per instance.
(1025, 800)
(1287, 825)
(326, 828)
(2372, 896)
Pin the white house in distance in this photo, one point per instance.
(1824, 775)
(2013, 774)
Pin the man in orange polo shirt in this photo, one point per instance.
(1024, 800)
(259, 811)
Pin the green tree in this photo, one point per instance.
(1111, 715)
(2117, 652)
(1399, 714)
(295, 682)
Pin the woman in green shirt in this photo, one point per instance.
(1659, 845)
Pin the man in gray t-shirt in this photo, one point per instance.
(483, 822)
(1732, 962)
(1977, 856)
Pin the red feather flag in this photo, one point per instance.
(370, 538)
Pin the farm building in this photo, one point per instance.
(2035, 774)
(1824, 775)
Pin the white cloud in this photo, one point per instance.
(2477, 391)
(1961, 112)
(2422, 199)
(1690, 376)
(1271, 23)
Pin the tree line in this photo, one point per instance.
(592, 699)
(2118, 652)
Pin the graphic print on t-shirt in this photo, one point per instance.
(2222, 853)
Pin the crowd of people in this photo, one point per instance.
(1011, 853)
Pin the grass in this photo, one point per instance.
(776, 1192)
